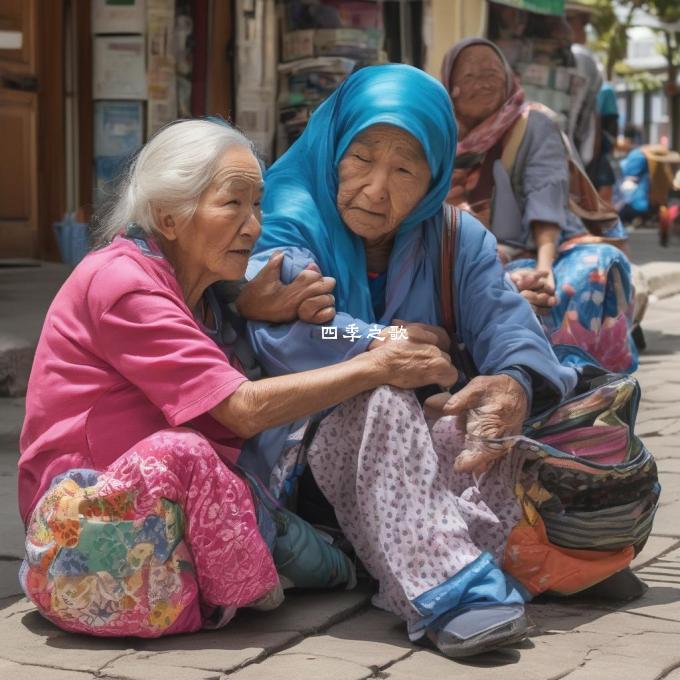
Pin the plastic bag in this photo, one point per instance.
(73, 237)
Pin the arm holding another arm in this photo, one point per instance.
(297, 345)
(257, 406)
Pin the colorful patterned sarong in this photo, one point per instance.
(165, 540)
(595, 304)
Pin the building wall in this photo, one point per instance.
(446, 22)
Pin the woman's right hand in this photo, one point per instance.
(308, 297)
(409, 364)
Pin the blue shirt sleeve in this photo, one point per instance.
(497, 324)
(634, 164)
(300, 346)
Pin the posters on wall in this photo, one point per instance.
(119, 71)
(134, 78)
(256, 72)
(118, 131)
(118, 16)
(161, 62)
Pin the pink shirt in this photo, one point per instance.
(119, 358)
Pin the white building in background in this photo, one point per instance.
(646, 110)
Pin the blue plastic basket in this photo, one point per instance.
(73, 239)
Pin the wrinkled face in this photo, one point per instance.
(219, 237)
(478, 83)
(381, 178)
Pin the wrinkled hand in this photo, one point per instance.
(308, 297)
(537, 287)
(487, 408)
(408, 364)
(422, 333)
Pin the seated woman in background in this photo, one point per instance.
(646, 183)
(513, 172)
(138, 522)
(360, 194)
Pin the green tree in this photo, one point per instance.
(612, 34)
(668, 12)
(612, 41)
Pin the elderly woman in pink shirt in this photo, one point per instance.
(138, 521)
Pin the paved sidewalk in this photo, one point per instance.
(339, 636)
(661, 266)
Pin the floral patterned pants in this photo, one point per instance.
(412, 520)
(165, 540)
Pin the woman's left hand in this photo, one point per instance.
(308, 297)
(489, 407)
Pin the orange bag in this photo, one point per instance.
(542, 566)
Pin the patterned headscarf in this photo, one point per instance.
(485, 135)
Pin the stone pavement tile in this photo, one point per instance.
(655, 546)
(662, 358)
(662, 365)
(9, 581)
(662, 447)
(307, 611)
(657, 426)
(663, 352)
(11, 527)
(27, 638)
(199, 656)
(289, 665)
(154, 667)
(372, 639)
(665, 392)
(16, 357)
(661, 326)
(671, 304)
(670, 492)
(667, 519)
(657, 411)
(367, 640)
(647, 656)
(6, 602)
(11, 420)
(669, 465)
(648, 646)
(671, 429)
(662, 600)
(532, 660)
(15, 671)
(566, 640)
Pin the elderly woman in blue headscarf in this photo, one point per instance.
(360, 195)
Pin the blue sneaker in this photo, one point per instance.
(475, 630)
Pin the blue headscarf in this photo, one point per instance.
(299, 204)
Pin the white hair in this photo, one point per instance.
(170, 172)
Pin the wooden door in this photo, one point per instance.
(18, 129)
